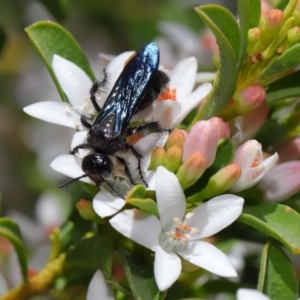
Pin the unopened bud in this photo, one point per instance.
(191, 170)
(177, 137)
(173, 158)
(253, 38)
(293, 36)
(157, 157)
(221, 127)
(250, 98)
(86, 211)
(274, 17)
(220, 182)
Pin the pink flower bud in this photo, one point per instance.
(289, 149)
(253, 35)
(191, 170)
(274, 17)
(157, 157)
(221, 127)
(251, 97)
(203, 137)
(177, 137)
(172, 159)
(282, 181)
(250, 157)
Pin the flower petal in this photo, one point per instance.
(138, 226)
(167, 268)
(80, 138)
(208, 257)
(215, 214)
(170, 197)
(192, 101)
(270, 162)
(249, 294)
(54, 112)
(106, 204)
(183, 77)
(69, 165)
(99, 289)
(73, 80)
(166, 112)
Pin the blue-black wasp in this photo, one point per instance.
(138, 85)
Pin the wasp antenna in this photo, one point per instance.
(113, 188)
(73, 180)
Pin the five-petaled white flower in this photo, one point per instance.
(174, 234)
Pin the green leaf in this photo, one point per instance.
(277, 277)
(249, 15)
(145, 205)
(140, 277)
(224, 156)
(284, 88)
(58, 8)
(224, 27)
(50, 38)
(10, 230)
(285, 62)
(94, 252)
(275, 220)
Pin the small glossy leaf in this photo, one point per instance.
(145, 205)
(93, 253)
(140, 277)
(249, 15)
(284, 88)
(277, 277)
(285, 62)
(224, 27)
(275, 220)
(50, 38)
(10, 230)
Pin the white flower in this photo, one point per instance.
(178, 99)
(173, 234)
(250, 157)
(249, 294)
(99, 289)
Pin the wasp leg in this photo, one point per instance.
(81, 146)
(84, 122)
(154, 126)
(94, 89)
(127, 171)
(138, 156)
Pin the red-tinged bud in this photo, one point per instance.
(157, 157)
(282, 181)
(191, 170)
(177, 137)
(274, 17)
(250, 98)
(172, 159)
(86, 211)
(293, 36)
(221, 126)
(203, 137)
